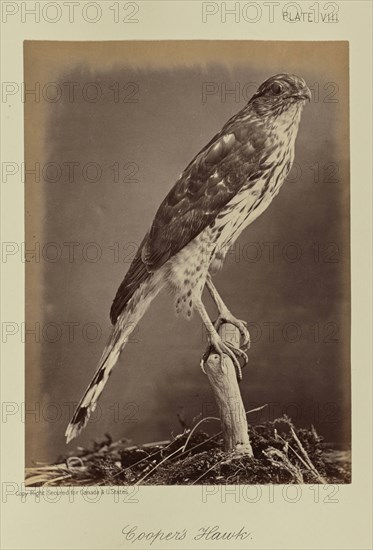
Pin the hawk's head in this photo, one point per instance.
(279, 93)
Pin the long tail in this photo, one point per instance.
(123, 328)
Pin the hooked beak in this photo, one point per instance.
(305, 94)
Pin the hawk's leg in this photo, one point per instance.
(225, 316)
(216, 343)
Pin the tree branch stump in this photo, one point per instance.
(223, 381)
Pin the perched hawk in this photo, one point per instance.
(227, 185)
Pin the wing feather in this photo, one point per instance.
(208, 183)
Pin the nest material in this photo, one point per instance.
(281, 455)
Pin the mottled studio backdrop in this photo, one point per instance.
(112, 128)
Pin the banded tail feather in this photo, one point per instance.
(124, 326)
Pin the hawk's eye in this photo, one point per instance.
(276, 88)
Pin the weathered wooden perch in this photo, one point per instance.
(225, 388)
